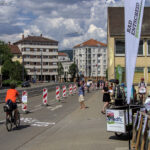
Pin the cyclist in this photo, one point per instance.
(142, 90)
(11, 96)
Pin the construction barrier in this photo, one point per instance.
(24, 100)
(74, 89)
(64, 91)
(70, 89)
(45, 96)
(141, 132)
(57, 93)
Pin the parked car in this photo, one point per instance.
(26, 84)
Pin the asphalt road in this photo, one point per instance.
(38, 121)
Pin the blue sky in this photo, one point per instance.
(68, 21)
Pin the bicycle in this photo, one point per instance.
(11, 118)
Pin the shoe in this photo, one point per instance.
(102, 112)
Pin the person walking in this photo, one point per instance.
(81, 95)
(106, 97)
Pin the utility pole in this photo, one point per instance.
(41, 65)
(23, 68)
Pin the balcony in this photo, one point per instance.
(39, 53)
(39, 60)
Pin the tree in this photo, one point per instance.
(12, 70)
(5, 53)
(73, 70)
(60, 69)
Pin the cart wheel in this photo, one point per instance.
(118, 134)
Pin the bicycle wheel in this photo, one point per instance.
(17, 120)
(8, 123)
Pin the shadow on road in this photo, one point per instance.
(21, 127)
(124, 137)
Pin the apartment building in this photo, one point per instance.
(40, 57)
(91, 58)
(116, 45)
(66, 63)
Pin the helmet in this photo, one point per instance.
(142, 78)
(122, 84)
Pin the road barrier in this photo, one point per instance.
(58, 93)
(24, 100)
(70, 89)
(74, 89)
(141, 132)
(45, 96)
(64, 91)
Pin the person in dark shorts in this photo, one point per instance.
(106, 97)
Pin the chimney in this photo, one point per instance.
(22, 36)
(41, 35)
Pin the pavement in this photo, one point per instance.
(79, 130)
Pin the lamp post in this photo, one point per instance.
(41, 64)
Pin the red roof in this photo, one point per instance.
(14, 49)
(62, 54)
(91, 42)
(36, 39)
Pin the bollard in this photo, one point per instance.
(24, 101)
(70, 89)
(74, 89)
(58, 93)
(45, 96)
(64, 91)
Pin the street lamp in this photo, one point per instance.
(41, 64)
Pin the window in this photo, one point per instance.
(35, 49)
(93, 61)
(120, 46)
(93, 55)
(148, 43)
(140, 51)
(27, 49)
(139, 69)
(99, 72)
(148, 69)
(99, 61)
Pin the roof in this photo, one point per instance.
(14, 49)
(116, 21)
(91, 43)
(62, 54)
(36, 39)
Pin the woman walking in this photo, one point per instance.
(81, 95)
(106, 97)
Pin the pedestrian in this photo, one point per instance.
(81, 95)
(106, 97)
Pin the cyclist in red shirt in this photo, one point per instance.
(11, 96)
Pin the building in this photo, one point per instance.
(14, 49)
(91, 58)
(63, 57)
(40, 57)
(116, 45)
(66, 63)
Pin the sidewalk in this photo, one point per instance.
(80, 130)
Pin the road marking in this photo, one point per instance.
(54, 108)
(2, 121)
(38, 105)
(38, 108)
(36, 123)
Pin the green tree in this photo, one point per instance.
(5, 53)
(73, 70)
(60, 69)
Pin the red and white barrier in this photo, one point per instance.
(70, 89)
(57, 93)
(24, 100)
(64, 91)
(74, 89)
(45, 96)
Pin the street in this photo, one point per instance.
(61, 126)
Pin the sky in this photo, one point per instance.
(70, 22)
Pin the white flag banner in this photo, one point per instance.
(133, 20)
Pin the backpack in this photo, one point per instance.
(119, 93)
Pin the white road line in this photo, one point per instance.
(2, 121)
(36, 109)
(37, 105)
(56, 107)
